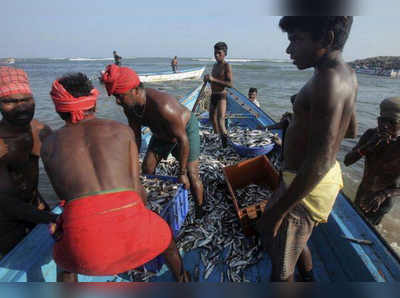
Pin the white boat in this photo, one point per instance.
(194, 73)
(385, 72)
(7, 61)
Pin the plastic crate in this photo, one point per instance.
(250, 152)
(253, 171)
(174, 213)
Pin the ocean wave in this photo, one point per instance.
(228, 60)
(280, 60)
(90, 59)
(58, 58)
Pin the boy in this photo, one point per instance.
(253, 96)
(220, 78)
(311, 176)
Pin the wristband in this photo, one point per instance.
(183, 173)
(359, 152)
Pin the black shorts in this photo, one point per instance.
(215, 98)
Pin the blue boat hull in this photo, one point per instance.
(334, 258)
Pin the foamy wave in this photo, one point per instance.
(228, 60)
(281, 60)
(91, 59)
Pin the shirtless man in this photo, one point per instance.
(220, 78)
(175, 129)
(174, 64)
(93, 165)
(117, 58)
(380, 146)
(323, 112)
(21, 137)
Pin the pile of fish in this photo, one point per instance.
(252, 194)
(246, 137)
(218, 234)
(159, 193)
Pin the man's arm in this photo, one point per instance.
(325, 115)
(374, 200)
(136, 127)
(229, 78)
(357, 152)
(352, 132)
(15, 208)
(135, 167)
(173, 122)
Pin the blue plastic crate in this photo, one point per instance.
(250, 152)
(174, 213)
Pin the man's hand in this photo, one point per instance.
(270, 222)
(208, 79)
(377, 139)
(277, 140)
(285, 116)
(374, 200)
(184, 180)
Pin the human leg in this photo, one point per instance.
(221, 114)
(196, 187)
(304, 265)
(213, 114)
(150, 162)
(174, 263)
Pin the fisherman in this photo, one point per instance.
(175, 128)
(253, 96)
(311, 176)
(220, 78)
(117, 58)
(93, 165)
(174, 64)
(21, 137)
(380, 146)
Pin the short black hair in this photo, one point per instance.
(77, 84)
(319, 26)
(221, 46)
(251, 90)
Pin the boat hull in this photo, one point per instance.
(171, 76)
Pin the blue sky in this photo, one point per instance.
(35, 33)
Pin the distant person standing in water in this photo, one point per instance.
(380, 147)
(118, 59)
(174, 64)
(324, 112)
(220, 79)
(253, 92)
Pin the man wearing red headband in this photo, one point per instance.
(93, 165)
(175, 129)
(21, 137)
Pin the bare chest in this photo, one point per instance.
(219, 72)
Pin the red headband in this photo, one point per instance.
(120, 79)
(66, 103)
(13, 81)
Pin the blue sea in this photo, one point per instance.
(276, 81)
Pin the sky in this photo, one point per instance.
(55, 32)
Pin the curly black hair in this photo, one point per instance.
(221, 46)
(77, 84)
(319, 26)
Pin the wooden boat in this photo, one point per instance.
(385, 72)
(7, 61)
(194, 73)
(335, 258)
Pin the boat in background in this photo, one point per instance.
(7, 61)
(347, 248)
(194, 73)
(385, 72)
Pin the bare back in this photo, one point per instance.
(91, 156)
(322, 113)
